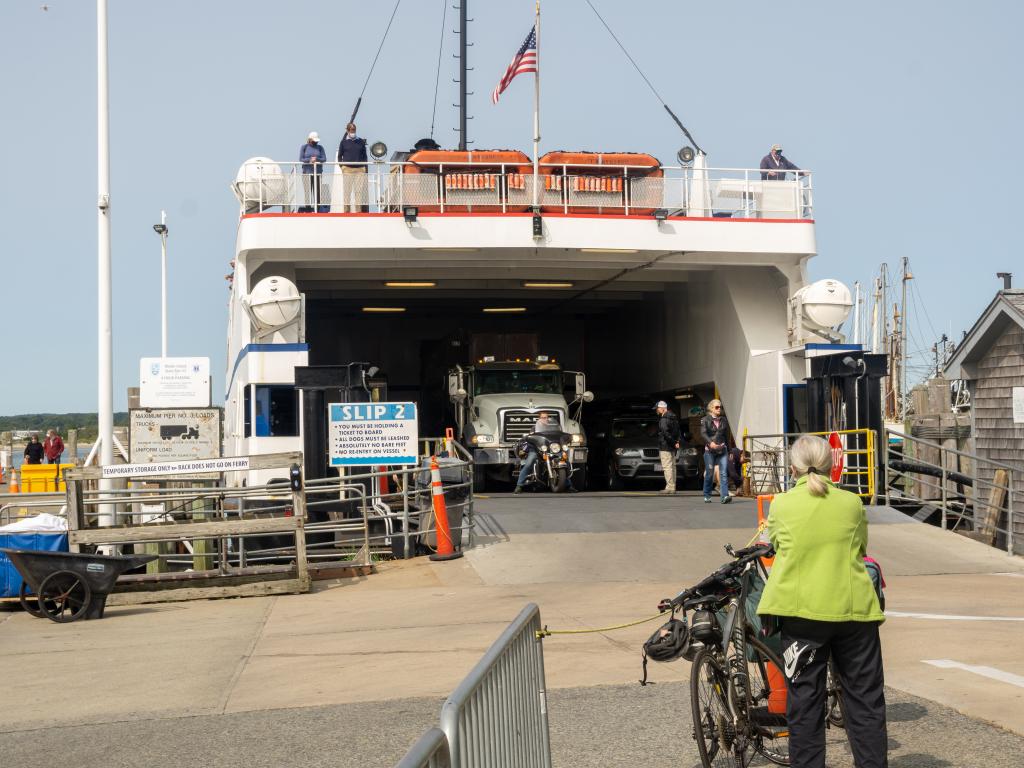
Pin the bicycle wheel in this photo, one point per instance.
(834, 698)
(712, 723)
(770, 733)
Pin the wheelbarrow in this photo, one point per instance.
(69, 586)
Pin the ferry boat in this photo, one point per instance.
(648, 277)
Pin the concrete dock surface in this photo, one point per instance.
(351, 674)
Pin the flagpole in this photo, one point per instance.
(536, 117)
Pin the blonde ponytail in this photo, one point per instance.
(812, 457)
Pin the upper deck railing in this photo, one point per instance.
(264, 186)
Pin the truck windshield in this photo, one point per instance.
(634, 429)
(535, 382)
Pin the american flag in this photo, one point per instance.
(525, 61)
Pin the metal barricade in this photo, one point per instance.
(498, 715)
(769, 467)
(430, 751)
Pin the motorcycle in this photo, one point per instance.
(552, 468)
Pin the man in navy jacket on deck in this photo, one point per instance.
(774, 165)
(352, 157)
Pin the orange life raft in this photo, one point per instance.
(599, 182)
(477, 180)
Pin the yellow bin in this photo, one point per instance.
(43, 478)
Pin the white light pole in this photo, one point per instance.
(161, 229)
(105, 358)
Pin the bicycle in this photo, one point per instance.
(736, 686)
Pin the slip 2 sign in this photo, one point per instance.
(372, 433)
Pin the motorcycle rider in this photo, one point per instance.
(543, 425)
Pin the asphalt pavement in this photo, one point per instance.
(352, 673)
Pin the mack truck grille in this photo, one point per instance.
(516, 424)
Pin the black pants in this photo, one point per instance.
(857, 651)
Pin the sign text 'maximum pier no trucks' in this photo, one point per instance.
(497, 402)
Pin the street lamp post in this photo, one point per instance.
(161, 229)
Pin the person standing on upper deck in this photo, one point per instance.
(313, 157)
(774, 165)
(352, 157)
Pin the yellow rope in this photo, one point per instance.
(541, 634)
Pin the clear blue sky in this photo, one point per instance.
(908, 113)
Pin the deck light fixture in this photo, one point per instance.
(378, 149)
(660, 214)
(383, 309)
(410, 284)
(503, 310)
(685, 155)
(551, 284)
(410, 213)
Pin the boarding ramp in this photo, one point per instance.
(498, 714)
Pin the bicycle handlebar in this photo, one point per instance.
(723, 579)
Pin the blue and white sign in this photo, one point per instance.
(372, 433)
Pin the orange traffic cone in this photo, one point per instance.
(445, 548)
(13, 486)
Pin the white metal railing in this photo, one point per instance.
(498, 714)
(269, 187)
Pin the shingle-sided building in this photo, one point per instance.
(991, 359)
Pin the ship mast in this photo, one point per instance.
(463, 69)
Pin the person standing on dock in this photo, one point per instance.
(53, 447)
(669, 435)
(774, 165)
(352, 157)
(714, 428)
(313, 157)
(34, 451)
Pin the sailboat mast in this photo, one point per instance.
(462, 74)
(903, 340)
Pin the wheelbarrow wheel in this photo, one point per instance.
(30, 603)
(64, 596)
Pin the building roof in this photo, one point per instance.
(1005, 309)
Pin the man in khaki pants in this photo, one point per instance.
(668, 444)
(352, 158)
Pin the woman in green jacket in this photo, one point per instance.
(827, 604)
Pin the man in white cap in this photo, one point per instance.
(668, 444)
(312, 157)
(774, 165)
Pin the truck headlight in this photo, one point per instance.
(628, 452)
(577, 439)
(690, 452)
(481, 439)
